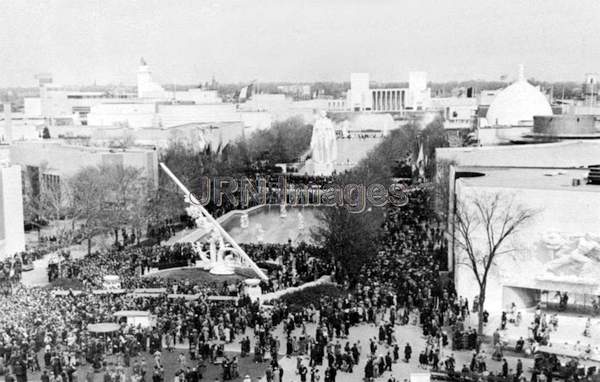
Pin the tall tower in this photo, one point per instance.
(146, 88)
(359, 94)
(144, 78)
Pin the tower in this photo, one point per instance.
(146, 87)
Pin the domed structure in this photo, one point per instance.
(517, 104)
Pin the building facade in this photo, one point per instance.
(12, 234)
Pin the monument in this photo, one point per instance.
(323, 146)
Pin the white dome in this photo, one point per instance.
(517, 104)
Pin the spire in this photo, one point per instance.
(521, 76)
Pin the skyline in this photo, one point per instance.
(101, 41)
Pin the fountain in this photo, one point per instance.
(282, 211)
(323, 146)
(220, 241)
(275, 229)
(217, 259)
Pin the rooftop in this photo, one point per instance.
(527, 178)
(58, 144)
(566, 154)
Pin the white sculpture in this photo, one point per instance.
(584, 253)
(282, 211)
(260, 236)
(202, 139)
(195, 213)
(323, 146)
(205, 260)
(300, 221)
(203, 217)
(244, 221)
(217, 255)
(574, 258)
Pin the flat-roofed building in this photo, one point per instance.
(64, 161)
(12, 235)
(556, 251)
(548, 178)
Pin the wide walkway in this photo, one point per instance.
(38, 276)
(404, 334)
(361, 334)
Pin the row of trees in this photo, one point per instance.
(96, 200)
(106, 199)
(284, 142)
(352, 238)
(484, 223)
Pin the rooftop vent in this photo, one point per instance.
(594, 176)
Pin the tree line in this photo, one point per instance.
(120, 201)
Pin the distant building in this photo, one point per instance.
(510, 114)
(62, 161)
(517, 104)
(458, 113)
(58, 106)
(361, 97)
(418, 94)
(297, 91)
(566, 126)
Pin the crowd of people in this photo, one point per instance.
(289, 265)
(45, 330)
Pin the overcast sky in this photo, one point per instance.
(188, 41)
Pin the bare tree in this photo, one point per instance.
(109, 198)
(89, 198)
(127, 197)
(484, 222)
